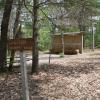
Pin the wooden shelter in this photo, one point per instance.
(70, 43)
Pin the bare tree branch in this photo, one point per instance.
(28, 8)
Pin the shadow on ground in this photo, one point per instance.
(73, 69)
(39, 84)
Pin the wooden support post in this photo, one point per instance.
(63, 47)
(25, 88)
(81, 49)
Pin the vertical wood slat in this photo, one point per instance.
(20, 44)
(72, 42)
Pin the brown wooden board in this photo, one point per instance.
(70, 42)
(20, 44)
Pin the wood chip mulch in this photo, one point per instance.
(74, 77)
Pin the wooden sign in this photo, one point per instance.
(20, 44)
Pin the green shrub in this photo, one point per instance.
(44, 39)
(61, 55)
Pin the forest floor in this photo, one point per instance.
(74, 77)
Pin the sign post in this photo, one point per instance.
(22, 45)
(25, 88)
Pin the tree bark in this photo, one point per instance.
(16, 23)
(4, 31)
(81, 23)
(17, 19)
(35, 37)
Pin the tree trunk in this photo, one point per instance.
(4, 30)
(83, 28)
(35, 37)
(16, 23)
(81, 22)
(18, 12)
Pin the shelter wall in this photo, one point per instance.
(72, 43)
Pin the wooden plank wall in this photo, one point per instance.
(71, 43)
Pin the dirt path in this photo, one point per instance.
(74, 77)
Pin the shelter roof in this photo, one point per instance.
(70, 33)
